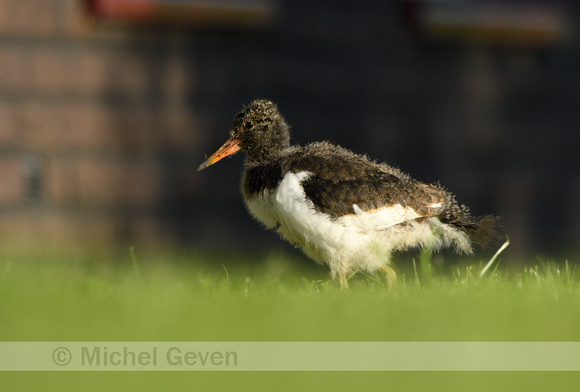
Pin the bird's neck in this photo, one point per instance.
(264, 151)
(260, 156)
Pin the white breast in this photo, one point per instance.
(298, 222)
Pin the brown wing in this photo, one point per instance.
(370, 189)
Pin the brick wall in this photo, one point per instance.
(102, 126)
(93, 123)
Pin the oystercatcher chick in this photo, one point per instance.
(342, 209)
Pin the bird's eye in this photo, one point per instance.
(249, 125)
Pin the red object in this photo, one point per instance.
(132, 10)
(248, 12)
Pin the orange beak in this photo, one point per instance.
(229, 147)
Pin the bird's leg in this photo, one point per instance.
(343, 282)
(390, 275)
(340, 270)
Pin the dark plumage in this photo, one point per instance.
(339, 207)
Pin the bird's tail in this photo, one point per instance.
(483, 230)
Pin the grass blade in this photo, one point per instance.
(490, 262)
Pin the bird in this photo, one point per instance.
(340, 208)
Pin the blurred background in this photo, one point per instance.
(107, 107)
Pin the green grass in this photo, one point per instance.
(217, 297)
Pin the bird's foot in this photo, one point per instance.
(343, 282)
(390, 276)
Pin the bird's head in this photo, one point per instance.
(259, 129)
